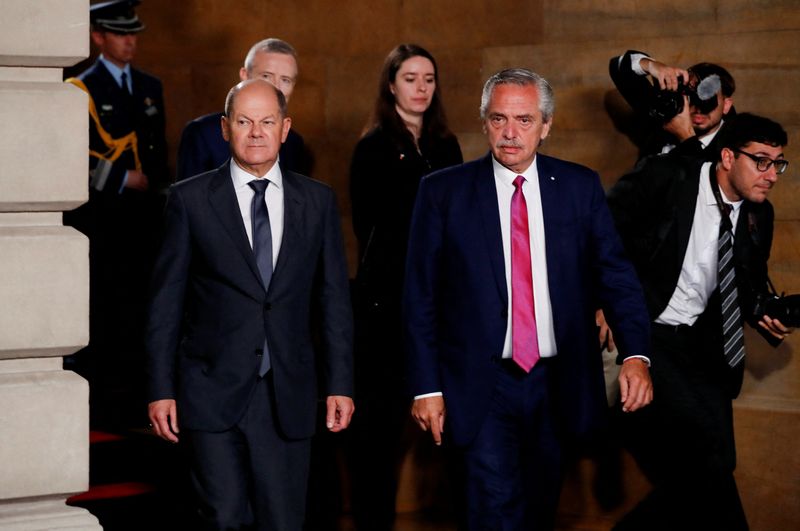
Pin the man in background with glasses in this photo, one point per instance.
(699, 234)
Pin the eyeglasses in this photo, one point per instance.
(763, 163)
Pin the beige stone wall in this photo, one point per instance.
(44, 266)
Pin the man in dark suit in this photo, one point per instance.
(508, 256)
(202, 146)
(250, 250)
(676, 216)
(127, 171)
(693, 131)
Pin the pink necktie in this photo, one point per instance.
(524, 343)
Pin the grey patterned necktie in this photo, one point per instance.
(262, 247)
(731, 315)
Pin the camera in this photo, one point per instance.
(785, 309)
(666, 104)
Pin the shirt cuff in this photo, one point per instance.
(635, 66)
(428, 395)
(124, 182)
(643, 358)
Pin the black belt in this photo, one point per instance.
(681, 329)
(511, 366)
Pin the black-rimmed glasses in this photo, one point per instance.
(763, 163)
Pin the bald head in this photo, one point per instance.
(257, 85)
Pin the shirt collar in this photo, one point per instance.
(241, 178)
(706, 140)
(116, 71)
(507, 176)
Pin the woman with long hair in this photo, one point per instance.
(407, 137)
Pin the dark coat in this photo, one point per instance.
(456, 300)
(209, 312)
(653, 208)
(384, 178)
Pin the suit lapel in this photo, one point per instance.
(686, 204)
(293, 221)
(222, 198)
(548, 194)
(486, 194)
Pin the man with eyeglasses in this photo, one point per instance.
(202, 147)
(699, 235)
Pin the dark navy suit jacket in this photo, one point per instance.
(120, 113)
(209, 312)
(203, 148)
(456, 300)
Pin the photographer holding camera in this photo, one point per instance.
(699, 235)
(686, 108)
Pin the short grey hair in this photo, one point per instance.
(231, 98)
(521, 77)
(270, 45)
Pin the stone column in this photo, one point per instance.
(44, 266)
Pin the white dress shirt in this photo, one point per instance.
(504, 182)
(698, 277)
(273, 197)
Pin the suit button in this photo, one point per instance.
(504, 313)
(267, 306)
(259, 352)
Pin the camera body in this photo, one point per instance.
(664, 105)
(785, 309)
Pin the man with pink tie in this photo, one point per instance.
(509, 256)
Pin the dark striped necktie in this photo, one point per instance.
(731, 315)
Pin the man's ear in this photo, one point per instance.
(225, 125)
(242, 74)
(546, 128)
(98, 38)
(727, 103)
(287, 124)
(726, 156)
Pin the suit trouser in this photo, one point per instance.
(513, 466)
(250, 476)
(684, 440)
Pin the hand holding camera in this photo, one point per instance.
(667, 76)
(784, 308)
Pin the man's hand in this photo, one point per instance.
(429, 414)
(666, 76)
(164, 418)
(606, 335)
(339, 412)
(137, 181)
(775, 327)
(681, 124)
(635, 386)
